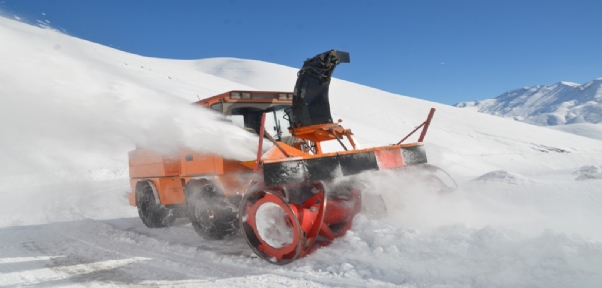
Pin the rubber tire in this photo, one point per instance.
(433, 180)
(152, 214)
(436, 184)
(428, 175)
(202, 197)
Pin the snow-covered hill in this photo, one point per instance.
(589, 130)
(558, 104)
(72, 109)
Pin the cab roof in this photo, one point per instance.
(246, 96)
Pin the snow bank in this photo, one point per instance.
(55, 177)
(458, 256)
(589, 172)
(503, 176)
(589, 130)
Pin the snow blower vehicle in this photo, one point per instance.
(288, 201)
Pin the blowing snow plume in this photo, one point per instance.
(66, 104)
(529, 206)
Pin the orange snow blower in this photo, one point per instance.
(291, 199)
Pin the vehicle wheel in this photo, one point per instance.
(431, 177)
(439, 180)
(152, 214)
(209, 212)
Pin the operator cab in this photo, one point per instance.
(244, 109)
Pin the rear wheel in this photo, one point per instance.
(209, 212)
(152, 214)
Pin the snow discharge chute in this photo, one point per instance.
(310, 101)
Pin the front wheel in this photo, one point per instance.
(432, 177)
(438, 179)
(152, 214)
(209, 212)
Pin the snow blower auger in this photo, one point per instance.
(292, 205)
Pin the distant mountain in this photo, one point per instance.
(557, 104)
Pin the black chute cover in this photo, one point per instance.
(311, 105)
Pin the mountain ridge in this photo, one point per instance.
(546, 105)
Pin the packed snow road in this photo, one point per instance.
(503, 229)
(75, 241)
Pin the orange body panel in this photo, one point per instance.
(170, 190)
(149, 163)
(167, 173)
(193, 163)
(202, 164)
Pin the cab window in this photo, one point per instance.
(217, 107)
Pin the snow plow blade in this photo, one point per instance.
(326, 167)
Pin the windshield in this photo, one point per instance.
(249, 118)
(276, 123)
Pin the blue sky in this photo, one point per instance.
(444, 51)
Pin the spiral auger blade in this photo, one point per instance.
(271, 227)
(280, 226)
